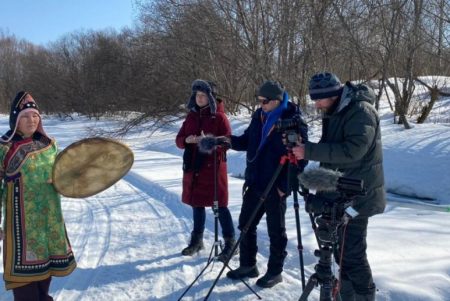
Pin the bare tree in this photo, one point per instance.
(238, 44)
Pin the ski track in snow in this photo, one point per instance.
(105, 229)
(98, 228)
(104, 258)
(127, 241)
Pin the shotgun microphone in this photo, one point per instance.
(327, 180)
(320, 179)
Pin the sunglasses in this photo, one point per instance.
(264, 101)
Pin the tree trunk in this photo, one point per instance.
(403, 120)
(434, 94)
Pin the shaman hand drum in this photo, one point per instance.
(90, 166)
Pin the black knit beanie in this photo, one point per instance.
(271, 90)
(324, 85)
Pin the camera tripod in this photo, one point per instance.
(287, 159)
(327, 239)
(293, 186)
(217, 243)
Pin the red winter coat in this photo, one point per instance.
(198, 175)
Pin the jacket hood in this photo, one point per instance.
(355, 93)
(220, 107)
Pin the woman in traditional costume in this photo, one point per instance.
(35, 242)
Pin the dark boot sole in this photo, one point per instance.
(253, 274)
(268, 284)
(191, 253)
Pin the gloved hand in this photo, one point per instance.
(209, 143)
(224, 141)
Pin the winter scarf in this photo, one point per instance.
(271, 118)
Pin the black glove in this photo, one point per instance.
(209, 143)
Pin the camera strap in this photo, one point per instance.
(337, 288)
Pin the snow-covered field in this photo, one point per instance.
(128, 239)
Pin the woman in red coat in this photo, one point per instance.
(206, 116)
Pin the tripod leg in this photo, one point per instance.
(246, 284)
(312, 282)
(326, 291)
(210, 259)
(247, 225)
(198, 276)
(216, 244)
(293, 186)
(225, 265)
(299, 239)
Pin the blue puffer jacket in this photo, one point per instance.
(262, 164)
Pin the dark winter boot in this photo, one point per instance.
(195, 245)
(269, 280)
(243, 271)
(226, 252)
(347, 292)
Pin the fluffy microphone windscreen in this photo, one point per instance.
(207, 144)
(320, 179)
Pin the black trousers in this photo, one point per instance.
(35, 291)
(355, 266)
(275, 209)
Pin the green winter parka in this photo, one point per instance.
(351, 144)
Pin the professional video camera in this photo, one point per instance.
(291, 129)
(325, 180)
(327, 215)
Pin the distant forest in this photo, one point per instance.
(238, 44)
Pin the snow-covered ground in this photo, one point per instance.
(128, 239)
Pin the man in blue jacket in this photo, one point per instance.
(265, 148)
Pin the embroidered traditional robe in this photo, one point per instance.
(36, 245)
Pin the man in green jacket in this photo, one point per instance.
(351, 144)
